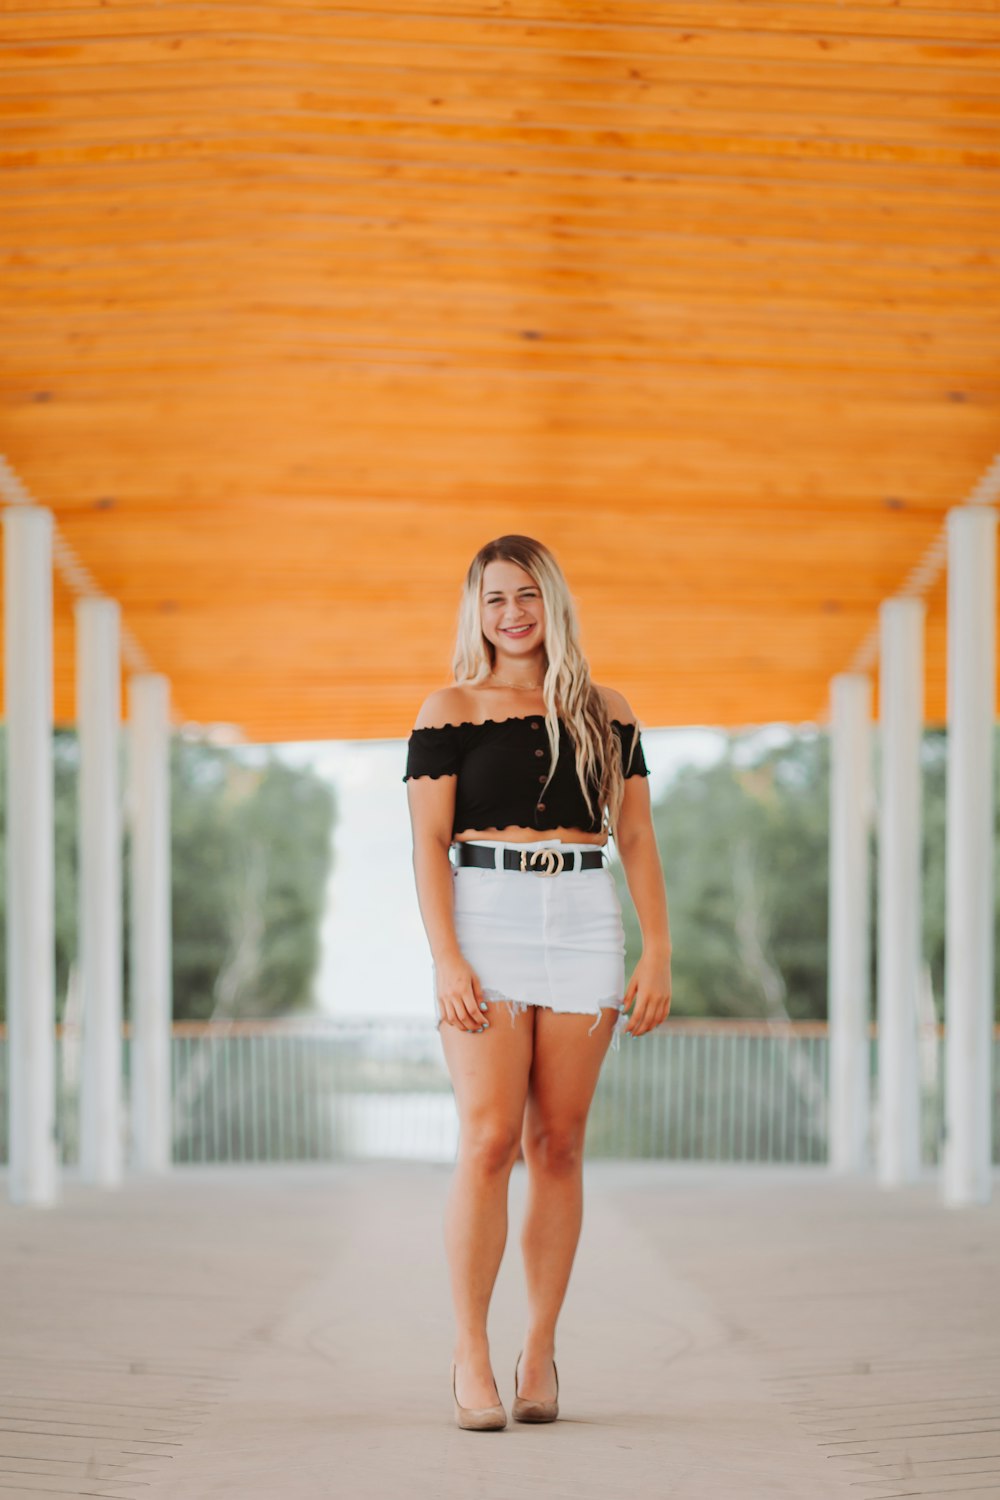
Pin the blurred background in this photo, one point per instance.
(293, 900)
(303, 304)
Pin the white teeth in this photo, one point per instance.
(521, 630)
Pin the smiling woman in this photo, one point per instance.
(525, 767)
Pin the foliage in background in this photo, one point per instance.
(743, 845)
(251, 860)
(251, 841)
(744, 849)
(64, 760)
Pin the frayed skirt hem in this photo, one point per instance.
(518, 1007)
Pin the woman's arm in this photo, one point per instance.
(432, 813)
(432, 807)
(635, 839)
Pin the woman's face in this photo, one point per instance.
(513, 614)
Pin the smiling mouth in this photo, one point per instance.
(519, 630)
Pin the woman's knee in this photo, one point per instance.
(489, 1145)
(556, 1147)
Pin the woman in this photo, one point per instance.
(525, 766)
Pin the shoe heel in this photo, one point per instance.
(477, 1418)
(534, 1411)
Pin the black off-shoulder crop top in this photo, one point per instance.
(502, 766)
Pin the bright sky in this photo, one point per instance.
(375, 959)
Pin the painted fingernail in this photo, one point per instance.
(482, 1005)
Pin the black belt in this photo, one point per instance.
(534, 861)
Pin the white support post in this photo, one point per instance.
(849, 1006)
(969, 871)
(33, 1174)
(151, 988)
(100, 890)
(899, 889)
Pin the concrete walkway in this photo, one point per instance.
(286, 1332)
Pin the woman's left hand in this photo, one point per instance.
(650, 988)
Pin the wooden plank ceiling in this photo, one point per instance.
(303, 303)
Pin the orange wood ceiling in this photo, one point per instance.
(303, 303)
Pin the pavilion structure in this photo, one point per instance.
(304, 304)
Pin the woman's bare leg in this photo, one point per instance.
(489, 1073)
(561, 1086)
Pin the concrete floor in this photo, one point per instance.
(729, 1332)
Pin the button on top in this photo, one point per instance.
(534, 723)
(541, 806)
(541, 778)
(539, 752)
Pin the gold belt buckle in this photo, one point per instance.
(554, 861)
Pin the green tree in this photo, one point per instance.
(65, 767)
(250, 851)
(251, 859)
(744, 848)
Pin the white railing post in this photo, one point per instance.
(899, 888)
(33, 1176)
(849, 945)
(969, 864)
(151, 986)
(100, 890)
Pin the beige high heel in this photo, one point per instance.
(535, 1411)
(478, 1418)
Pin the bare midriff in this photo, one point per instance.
(514, 835)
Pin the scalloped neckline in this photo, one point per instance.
(510, 719)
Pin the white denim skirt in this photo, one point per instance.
(534, 939)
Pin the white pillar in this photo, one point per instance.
(849, 945)
(33, 1174)
(100, 890)
(969, 870)
(899, 889)
(151, 987)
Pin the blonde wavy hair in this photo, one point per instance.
(567, 688)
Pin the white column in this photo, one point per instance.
(899, 888)
(100, 890)
(969, 868)
(33, 1174)
(150, 973)
(849, 947)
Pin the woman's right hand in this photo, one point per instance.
(459, 993)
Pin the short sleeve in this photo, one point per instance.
(626, 733)
(433, 752)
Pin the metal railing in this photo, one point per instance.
(317, 1089)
